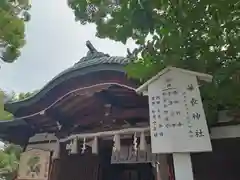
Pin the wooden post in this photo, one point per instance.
(182, 166)
(163, 167)
(156, 170)
(175, 103)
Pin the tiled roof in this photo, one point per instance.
(92, 59)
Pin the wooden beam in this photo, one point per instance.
(124, 113)
(106, 133)
(225, 132)
(216, 132)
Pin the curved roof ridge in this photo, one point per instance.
(93, 58)
(111, 60)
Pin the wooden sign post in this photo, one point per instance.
(177, 119)
(34, 165)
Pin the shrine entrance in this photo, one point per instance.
(95, 101)
(88, 166)
(142, 171)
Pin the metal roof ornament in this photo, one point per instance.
(90, 47)
(92, 54)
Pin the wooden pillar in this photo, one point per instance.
(54, 170)
(157, 172)
(163, 167)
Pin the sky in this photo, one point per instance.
(55, 41)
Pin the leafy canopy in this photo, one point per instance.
(202, 35)
(4, 115)
(9, 159)
(10, 154)
(13, 14)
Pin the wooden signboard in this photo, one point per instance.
(34, 165)
(128, 155)
(177, 119)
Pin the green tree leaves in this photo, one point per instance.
(10, 154)
(4, 115)
(9, 159)
(12, 38)
(199, 35)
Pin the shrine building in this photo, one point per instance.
(95, 126)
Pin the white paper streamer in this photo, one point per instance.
(135, 143)
(116, 143)
(84, 145)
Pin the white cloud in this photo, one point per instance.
(54, 42)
